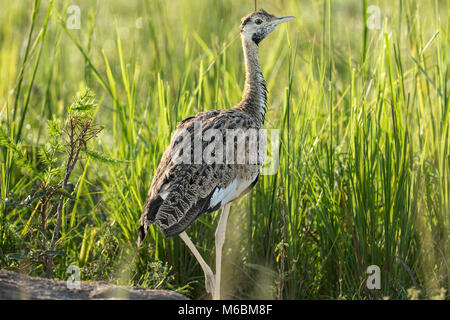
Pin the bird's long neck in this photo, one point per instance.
(255, 94)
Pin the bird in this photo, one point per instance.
(187, 184)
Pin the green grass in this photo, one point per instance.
(364, 172)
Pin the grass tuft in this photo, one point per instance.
(363, 113)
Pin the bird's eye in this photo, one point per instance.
(258, 21)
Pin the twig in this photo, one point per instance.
(76, 141)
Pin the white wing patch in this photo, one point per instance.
(230, 192)
(164, 195)
(223, 195)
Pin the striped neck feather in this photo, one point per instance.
(254, 100)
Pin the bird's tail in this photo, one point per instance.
(151, 207)
(142, 231)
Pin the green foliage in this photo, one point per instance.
(364, 163)
(83, 106)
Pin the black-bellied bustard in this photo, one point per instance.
(207, 165)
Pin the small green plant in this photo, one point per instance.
(364, 160)
(52, 189)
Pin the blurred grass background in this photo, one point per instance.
(364, 166)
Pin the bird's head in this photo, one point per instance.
(257, 25)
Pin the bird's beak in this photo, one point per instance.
(279, 20)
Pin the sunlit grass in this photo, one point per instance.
(364, 164)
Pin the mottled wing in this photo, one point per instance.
(181, 192)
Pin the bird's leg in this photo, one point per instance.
(209, 276)
(220, 240)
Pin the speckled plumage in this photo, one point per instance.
(181, 192)
(190, 187)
